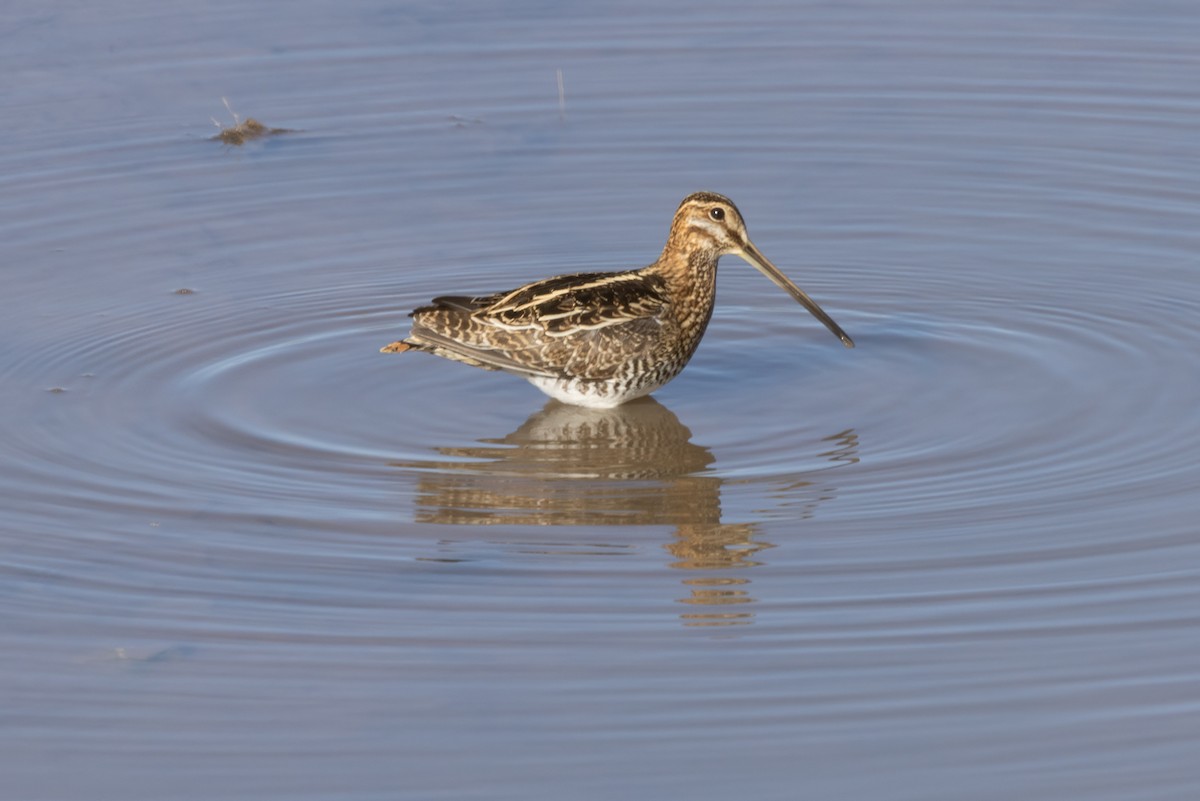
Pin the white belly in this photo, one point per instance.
(593, 394)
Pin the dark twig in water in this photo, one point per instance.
(243, 131)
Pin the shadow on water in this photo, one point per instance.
(635, 465)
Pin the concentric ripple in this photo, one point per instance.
(244, 404)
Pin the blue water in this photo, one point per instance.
(244, 555)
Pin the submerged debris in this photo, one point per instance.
(243, 131)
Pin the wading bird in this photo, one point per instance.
(601, 339)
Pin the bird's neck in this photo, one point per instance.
(691, 279)
(686, 269)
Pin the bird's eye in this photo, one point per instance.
(717, 213)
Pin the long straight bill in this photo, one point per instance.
(755, 258)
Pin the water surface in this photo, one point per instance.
(246, 555)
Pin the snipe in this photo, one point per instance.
(601, 339)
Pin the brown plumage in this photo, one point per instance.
(601, 339)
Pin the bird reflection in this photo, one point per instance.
(633, 465)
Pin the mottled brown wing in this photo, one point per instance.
(569, 303)
(587, 325)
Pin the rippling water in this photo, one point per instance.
(246, 555)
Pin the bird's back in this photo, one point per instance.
(585, 325)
